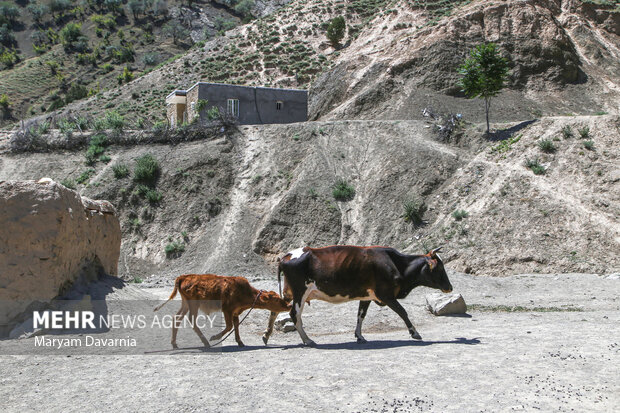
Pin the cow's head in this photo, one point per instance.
(271, 300)
(433, 274)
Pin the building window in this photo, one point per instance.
(278, 105)
(233, 107)
(193, 105)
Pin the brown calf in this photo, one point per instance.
(204, 291)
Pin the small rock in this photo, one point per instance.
(615, 276)
(442, 304)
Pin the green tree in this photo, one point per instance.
(70, 34)
(175, 30)
(483, 75)
(137, 7)
(9, 11)
(38, 12)
(335, 30)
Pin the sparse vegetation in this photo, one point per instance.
(85, 176)
(96, 148)
(147, 170)
(120, 171)
(153, 196)
(506, 145)
(68, 183)
(535, 166)
(460, 214)
(343, 191)
(584, 132)
(567, 132)
(414, 210)
(546, 146)
(174, 249)
(520, 309)
(589, 145)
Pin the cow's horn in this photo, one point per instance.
(436, 250)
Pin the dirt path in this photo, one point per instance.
(551, 359)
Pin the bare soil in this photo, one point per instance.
(543, 356)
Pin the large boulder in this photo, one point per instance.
(49, 237)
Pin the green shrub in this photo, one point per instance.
(584, 132)
(567, 132)
(213, 113)
(120, 171)
(4, 102)
(546, 146)
(459, 214)
(535, 166)
(85, 176)
(153, 196)
(105, 158)
(114, 120)
(68, 183)
(96, 148)
(589, 145)
(147, 170)
(343, 191)
(414, 210)
(174, 249)
(66, 126)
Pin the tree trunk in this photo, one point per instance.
(487, 104)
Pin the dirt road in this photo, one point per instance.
(531, 342)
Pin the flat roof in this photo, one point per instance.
(178, 92)
(249, 87)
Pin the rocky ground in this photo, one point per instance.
(529, 342)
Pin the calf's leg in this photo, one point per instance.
(237, 336)
(193, 312)
(361, 313)
(178, 318)
(229, 326)
(269, 331)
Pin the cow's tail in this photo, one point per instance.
(177, 282)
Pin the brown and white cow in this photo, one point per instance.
(235, 295)
(344, 273)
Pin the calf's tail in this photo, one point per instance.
(177, 282)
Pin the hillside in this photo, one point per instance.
(55, 52)
(398, 58)
(237, 200)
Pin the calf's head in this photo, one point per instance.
(433, 274)
(270, 300)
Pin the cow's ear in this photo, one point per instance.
(432, 264)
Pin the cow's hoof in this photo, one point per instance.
(240, 344)
(416, 336)
(310, 343)
(265, 339)
(206, 344)
(174, 345)
(361, 340)
(214, 338)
